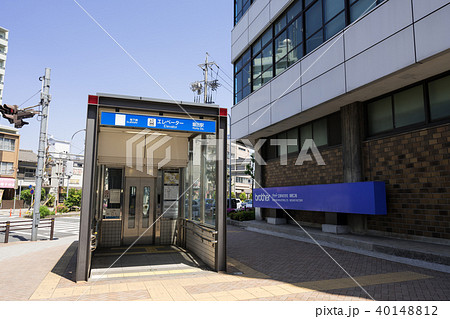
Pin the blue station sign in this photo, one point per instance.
(367, 198)
(157, 122)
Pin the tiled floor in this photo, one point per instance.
(260, 267)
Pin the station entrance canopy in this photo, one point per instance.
(155, 174)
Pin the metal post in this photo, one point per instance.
(14, 199)
(52, 229)
(229, 186)
(8, 224)
(45, 100)
(205, 97)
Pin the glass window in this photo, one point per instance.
(360, 7)
(146, 207)
(132, 207)
(334, 26)
(379, 115)
(320, 133)
(294, 10)
(240, 7)
(332, 8)
(314, 41)
(313, 18)
(242, 77)
(439, 92)
(305, 133)
(292, 135)
(7, 144)
(6, 168)
(281, 150)
(409, 107)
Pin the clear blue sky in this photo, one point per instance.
(168, 37)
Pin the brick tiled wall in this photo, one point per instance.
(415, 167)
(309, 173)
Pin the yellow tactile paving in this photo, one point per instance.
(248, 271)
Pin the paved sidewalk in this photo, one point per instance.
(260, 267)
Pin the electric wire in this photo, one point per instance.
(30, 97)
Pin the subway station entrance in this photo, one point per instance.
(154, 183)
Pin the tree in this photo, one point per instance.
(250, 196)
(242, 196)
(25, 195)
(250, 170)
(74, 198)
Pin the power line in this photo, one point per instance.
(30, 97)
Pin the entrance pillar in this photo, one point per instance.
(352, 122)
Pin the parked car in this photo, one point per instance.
(247, 204)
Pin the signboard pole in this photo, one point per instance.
(45, 100)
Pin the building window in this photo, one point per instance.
(361, 7)
(240, 8)
(242, 77)
(6, 168)
(262, 60)
(7, 144)
(410, 106)
(298, 31)
(325, 131)
(439, 92)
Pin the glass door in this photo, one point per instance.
(139, 210)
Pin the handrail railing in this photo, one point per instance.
(201, 226)
(15, 225)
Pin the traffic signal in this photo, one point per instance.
(16, 116)
(9, 112)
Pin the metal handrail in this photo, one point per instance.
(199, 235)
(201, 227)
(12, 226)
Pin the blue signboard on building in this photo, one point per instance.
(367, 198)
(157, 122)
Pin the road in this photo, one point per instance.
(64, 227)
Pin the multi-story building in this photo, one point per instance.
(26, 174)
(9, 154)
(3, 52)
(368, 81)
(64, 169)
(240, 157)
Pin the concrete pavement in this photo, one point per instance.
(260, 267)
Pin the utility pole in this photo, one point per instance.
(199, 87)
(45, 101)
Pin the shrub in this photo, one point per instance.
(74, 198)
(50, 200)
(44, 211)
(62, 209)
(243, 215)
(242, 196)
(25, 195)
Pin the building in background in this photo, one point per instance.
(240, 157)
(369, 83)
(3, 52)
(63, 168)
(26, 174)
(9, 154)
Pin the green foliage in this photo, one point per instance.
(26, 195)
(243, 215)
(250, 196)
(62, 209)
(233, 195)
(74, 198)
(44, 211)
(50, 200)
(242, 196)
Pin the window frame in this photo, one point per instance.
(396, 130)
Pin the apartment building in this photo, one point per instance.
(3, 52)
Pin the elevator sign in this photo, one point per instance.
(367, 198)
(157, 122)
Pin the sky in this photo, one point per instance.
(169, 38)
